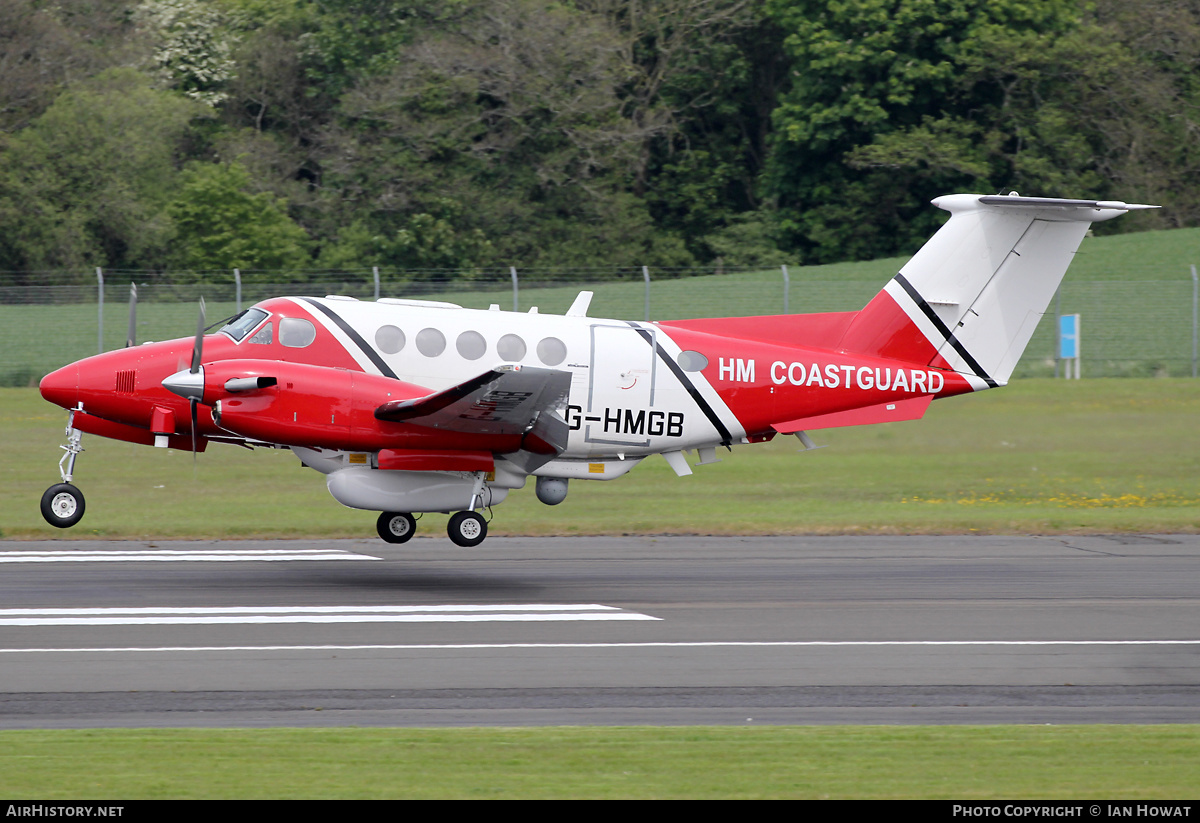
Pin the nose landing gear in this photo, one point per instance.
(63, 503)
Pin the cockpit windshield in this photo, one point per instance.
(242, 324)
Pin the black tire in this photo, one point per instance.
(396, 527)
(62, 505)
(467, 529)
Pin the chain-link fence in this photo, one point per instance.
(1133, 327)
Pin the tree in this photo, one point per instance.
(219, 225)
(87, 182)
(43, 46)
(513, 116)
(193, 47)
(896, 101)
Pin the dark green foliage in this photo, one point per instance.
(86, 183)
(219, 224)
(480, 134)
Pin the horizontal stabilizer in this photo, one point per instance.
(911, 409)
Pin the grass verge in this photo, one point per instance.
(953, 762)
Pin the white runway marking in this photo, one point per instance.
(178, 556)
(646, 645)
(314, 614)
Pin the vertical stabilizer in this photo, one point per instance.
(971, 298)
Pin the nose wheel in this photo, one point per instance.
(62, 503)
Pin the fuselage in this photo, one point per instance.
(635, 388)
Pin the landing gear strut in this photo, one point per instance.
(62, 503)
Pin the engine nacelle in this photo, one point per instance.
(360, 487)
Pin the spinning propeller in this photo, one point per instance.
(190, 384)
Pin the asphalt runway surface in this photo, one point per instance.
(590, 630)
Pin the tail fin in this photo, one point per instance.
(971, 298)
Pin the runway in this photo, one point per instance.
(614, 631)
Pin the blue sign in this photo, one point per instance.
(1068, 336)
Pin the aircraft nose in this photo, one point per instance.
(62, 387)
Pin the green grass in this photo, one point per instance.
(960, 763)
(1038, 456)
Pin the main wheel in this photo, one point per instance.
(467, 529)
(62, 505)
(396, 527)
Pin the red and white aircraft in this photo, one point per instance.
(417, 406)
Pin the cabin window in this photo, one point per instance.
(551, 351)
(471, 345)
(296, 332)
(431, 342)
(692, 361)
(389, 339)
(510, 348)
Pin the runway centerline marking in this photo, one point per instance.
(631, 645)
(173, 616)
(179, 556)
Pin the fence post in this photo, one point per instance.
(1195, 312)
(786, 284)
(237, 279)
(646, 277)
(100, 310)
(1057, 328)
(375, 273)
(512, 270)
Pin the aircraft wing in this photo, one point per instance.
(504, 400)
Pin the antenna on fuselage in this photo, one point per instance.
(580, 307)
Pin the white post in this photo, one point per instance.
(512, 270)
(646, 277)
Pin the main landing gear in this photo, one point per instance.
(62, 503)
(467, 529)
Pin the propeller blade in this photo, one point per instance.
(198, 346)
(131, 335)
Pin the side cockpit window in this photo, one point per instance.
(263, 336)
(296, 332)
(242, 324)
